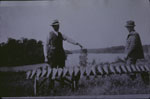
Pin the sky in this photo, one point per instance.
(93, 23)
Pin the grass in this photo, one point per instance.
(15, 84)
(113, 84)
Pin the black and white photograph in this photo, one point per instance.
(95, 49)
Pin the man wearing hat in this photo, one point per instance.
(55, 52)
(133, 46)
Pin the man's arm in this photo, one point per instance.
(69, 40)
(47, 45)
(45, 48)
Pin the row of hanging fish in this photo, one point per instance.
(52, 73)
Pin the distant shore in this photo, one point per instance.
(113, 49)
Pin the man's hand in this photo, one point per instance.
(79, 45)
(46, 60)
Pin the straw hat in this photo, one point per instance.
(130, 23)
(55, 22)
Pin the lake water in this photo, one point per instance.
(73, 59)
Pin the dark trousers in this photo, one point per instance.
(56, 58)
(131, 61)
(60, 63)
(144, 75)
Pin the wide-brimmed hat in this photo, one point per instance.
(130, 23)
(55, 22)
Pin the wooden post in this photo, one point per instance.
(74, 82)
(73, 85)
(35, 84)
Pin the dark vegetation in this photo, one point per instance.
(21, 52)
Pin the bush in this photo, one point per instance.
(21, 52)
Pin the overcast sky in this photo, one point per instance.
(93, 23)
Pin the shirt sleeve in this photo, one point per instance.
(69, 39)
(132, 44)
(46, 46)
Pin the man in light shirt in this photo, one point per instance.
(55, 52)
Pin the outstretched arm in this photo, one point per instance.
(69, 40)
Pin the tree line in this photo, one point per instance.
(21, 52)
